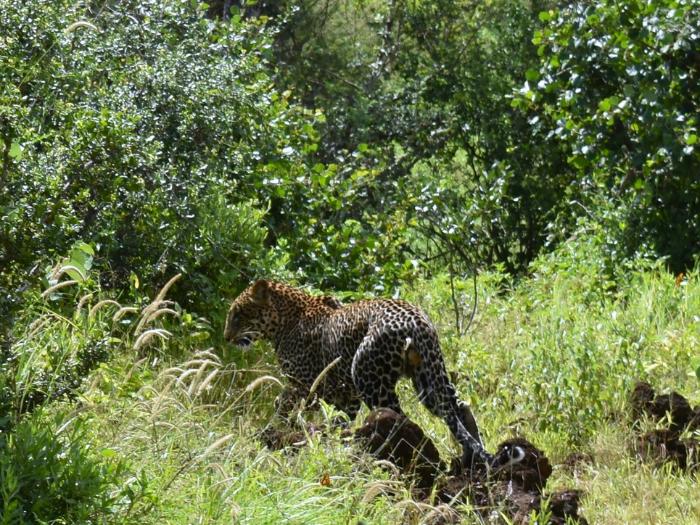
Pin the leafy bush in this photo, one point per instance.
(460, 220)
(410, 85)
(49, 470)
(595, 326)
(49, 474)
(617, 87)
(64, 333)
(132, 127)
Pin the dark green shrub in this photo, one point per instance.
(49, 474)
(132, 127)
(617, 88)
(406, 85)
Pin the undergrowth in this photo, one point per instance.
(137, 413)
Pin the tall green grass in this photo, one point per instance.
(162, 424)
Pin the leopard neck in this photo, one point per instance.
(289, 304)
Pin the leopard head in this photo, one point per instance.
(252, 315)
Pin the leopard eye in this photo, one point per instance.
(239, 317)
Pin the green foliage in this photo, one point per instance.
(355, 145)
(168, 431)
(157, 135)
(406, 85)
(559, 352)
(460, 220)
(134, 127)
(331, 219)
(49, 469)
(616, 87)
(49, 474)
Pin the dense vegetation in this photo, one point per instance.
(357, 147)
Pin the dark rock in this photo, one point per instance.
(515, 490)
(393, 437)
(694, 423)
(564, 506)
(675, 406)
(657, 407)
(575, 460)
(666, 444)
(642, 400)
(531, 473)
(521, 504)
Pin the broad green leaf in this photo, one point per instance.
(16, 151)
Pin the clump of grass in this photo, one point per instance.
(567, 344)
(49, 472)
(203, 461)
(47, 468)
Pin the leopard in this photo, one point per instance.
(360, 350)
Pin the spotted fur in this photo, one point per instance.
(378, 341)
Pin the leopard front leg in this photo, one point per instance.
(289, 399)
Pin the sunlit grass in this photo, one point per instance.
(552, 358)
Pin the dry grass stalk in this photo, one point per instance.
(172, 371)
(411, 504)
(122, 311)
(57, 286)
(388, 465)
(149, 334)
(166, 287)
(187, 373)
(318, 380)
(36, 326)
(204, 384)
(65, 268)
(155, 315)
(445, 514)
(197, 362)
(162, 394)
(102, 303)
(378, 488)
(158, 306)
(197, 378)
(261, 380)
(208, 354)
(85, 298)
(217, 444)
(148, 311)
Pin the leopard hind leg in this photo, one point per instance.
(375, 372)
(438, 394)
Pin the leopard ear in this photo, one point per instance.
(260, 291)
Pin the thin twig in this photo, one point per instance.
(476, 298)
(455, 304)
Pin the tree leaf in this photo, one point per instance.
(16, 151)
